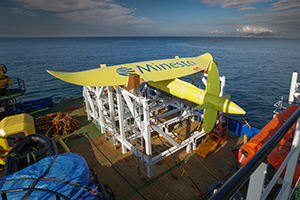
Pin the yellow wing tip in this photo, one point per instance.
(55, 74)
(50, 72)
(65, 76)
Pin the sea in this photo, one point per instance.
(257, 70)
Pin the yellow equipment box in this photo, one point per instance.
(14, 128)
(206, 148)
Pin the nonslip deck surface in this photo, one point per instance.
(129, 181)
(127, 176)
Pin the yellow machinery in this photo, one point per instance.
(5, 81)
(9, 92)
(217, 136)
(13, 129)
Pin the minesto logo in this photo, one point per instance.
(125, 71)
(164, 66)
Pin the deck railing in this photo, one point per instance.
(255, 168)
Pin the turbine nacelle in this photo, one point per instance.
(222, 104)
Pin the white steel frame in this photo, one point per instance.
(134, 115)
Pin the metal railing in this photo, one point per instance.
(256, 167)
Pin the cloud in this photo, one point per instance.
(235, 4)
(282, 16)
(114, 15)
(63, 5)
(102, 12)
(19, 11)
(247, 8)
(216, 32)
(264, 35)
(256, 30)
(232, 3)
(250, 31)
(285, 5)
(286, 22)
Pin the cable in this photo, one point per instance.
(34, 183)
(207, 169)
(247, 124)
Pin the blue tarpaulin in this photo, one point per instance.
(69, 167)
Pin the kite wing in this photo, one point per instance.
(156, 70)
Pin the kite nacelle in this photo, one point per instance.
(221, 104)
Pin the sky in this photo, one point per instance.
(93, 18)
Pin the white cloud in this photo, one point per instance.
(284, 5)
(102, 12)
(216, 32)
(247, 8)
(232, 3)
(256, 30)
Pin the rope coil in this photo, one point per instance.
(56, 123)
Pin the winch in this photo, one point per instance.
(5, 81)
(10, 89)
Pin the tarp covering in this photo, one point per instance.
(69, 167)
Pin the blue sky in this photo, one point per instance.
(32, 18)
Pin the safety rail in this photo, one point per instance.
(256, 168)
(18, 85)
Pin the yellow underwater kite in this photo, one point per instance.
(163, 75)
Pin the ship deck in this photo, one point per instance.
(127, 176)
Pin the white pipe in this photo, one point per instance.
(293, 87)
(130, 106)
(121, 119)
(147, 137)
(100, 109)
(110, 101)
(222, 90)
(87, 110)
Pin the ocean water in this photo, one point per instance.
(257, 70)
